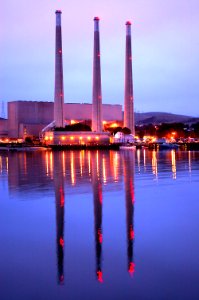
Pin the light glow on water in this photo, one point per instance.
(80, 222)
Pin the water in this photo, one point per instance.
(99, 225)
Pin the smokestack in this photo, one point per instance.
(59, 89)
(97, 94)
(128, 97)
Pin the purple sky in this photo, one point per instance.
(165, 41)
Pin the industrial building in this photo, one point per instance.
(30, 117)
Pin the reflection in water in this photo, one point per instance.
(33, 172)
(138, 159)
(129, 165)
(173, 163)
(154, 163)
(97, 199)
(72, 168)
(104, 170)
(59, 198)
(144, 155)
(189, 159)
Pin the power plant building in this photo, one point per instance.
(30, 117)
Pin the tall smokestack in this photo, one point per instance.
(128, 97)
(59, 89)
(97, 93)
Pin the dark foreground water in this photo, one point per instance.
(99, 225)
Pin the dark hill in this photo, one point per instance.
(161, 117)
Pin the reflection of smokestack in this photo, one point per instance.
(59, 89)
(59, 197)
(97, 198)
(128, 97)
(129, 164)
(97, 94)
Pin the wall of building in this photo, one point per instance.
(33, 115)
(76, 138)
(3, 127)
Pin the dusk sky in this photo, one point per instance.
(165, 47)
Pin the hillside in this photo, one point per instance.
(161, 117)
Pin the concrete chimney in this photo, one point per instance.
(97, 93)
(128, 97)
(59, 88)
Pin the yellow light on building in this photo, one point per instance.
(97, 137)
(46, 138)
(72, 137)
(51, 138)
(114, 125)
(80, 137)
(63, 138)
(89, 138)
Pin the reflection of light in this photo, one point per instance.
(99, 276)
(61, 197)
(81, 162)
(1, 167)
(173, 162)
(25, 164)
(61, 242)
(64, 163)
(100, 237)
(7, 164)
(189, 156)
(115, 166)
(104, 170)
(131, 268)
(72, 168)
(51, 165)
(154, 163)
(138, 159)
(132, 191)
(89, 162)
(97, 163)
(47, 165)
(131, 233)
(144, 153)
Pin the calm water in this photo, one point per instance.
(99, 225)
